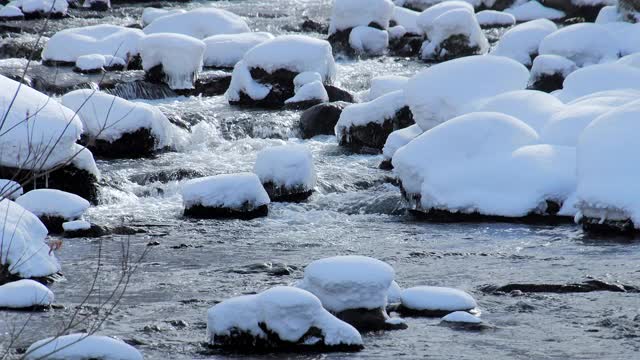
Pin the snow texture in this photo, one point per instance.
(76, 225)
(533, 10)
(305, 78)
(375, 111)
(348, 14)
(521, 42)
(53, 203)
(400, 138)
(585, 44)
(368, 40)
(427, 18)
(348, 282)
(150, 14)
(228, 191)
(434, 298)
(310, 91)
(495, 18)
(545, 65)
(407, 19)
(10, 11)
(82, 346)
(226, 50)
(181, 57)
(199, 23)
(90, 62)
(10, 189)
(286, 166)
(461, 317)
(596, 78)
(607, 14)
(381, 85)
(23, 294)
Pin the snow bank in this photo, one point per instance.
(348, 14)
(348, 282)
(533, 10)
(289, 166)
(381, 85)
(27, 254)
(233, 191)
(521, 42)
(199, 23)
(446, 90)
(53, 203)
(596, 78)
(82, 346)
(150, 14)
(461, 317)
(69, 44)
(437, 299)
(400, 138)
(368, 40)
(585, 44)
(407, 19)
(181, 58)
(427, 18)
(449, 27)
(288, 312)
(493, 18)
(24, 294)
(10, 189)
(226, 50)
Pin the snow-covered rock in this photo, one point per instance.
(82, 346)
(354, 288)
(366, 40)
(585, 9)
(286, 172)
(199, 23)
(321, 119)
(366, 126)
(118, 128)
(67, 45)
(225, 50)
(25, 294)
(151, 14)
(34, 9)
(521, 42)
(454, 34)
(225, 196)
(425, 20)
(97, 5)
(348, 14)
(53, 207)
(381, 85)
(585, 44)
(394, 293)
(307, 94)
(493, 18)
(27, 254)
(10, 12)
(279, 319)
(174, 59)
(407, 19)
(395, 141)
(434, 301)
(607, 14)
(596, 78)
(629, 10)
(461, 317)
(532, 10)
(10, 189)
(549, 71)
(446, 90)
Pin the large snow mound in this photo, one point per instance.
(69, 44)
(53, 203)
(228, 191)
(585, 44)
(227, 49)
(23, 248)
(348, 14)
(434, 298)
(446, 90)
(596, 78)
(82, 346)
(199, 23)
(24, 294)
(521, 42)
(290, 166)
(348, 282)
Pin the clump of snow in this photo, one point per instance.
(69, 44)
(368, 40)
(227, 49)
(82, 346)
(151, 14)
(607, 14)
(407, 19)
(199, 23)
(585, 44)
(454, 23)
(521, 42)
(287, 311)
(394, 293)
(22, 243)
(446, 90)
(53, 203)
(42, 6)
(181, 57)
(533, 10)
(241, 81)
(10, 12)
(547, 65)
(107, 117)
(228, 191)
(434, 298)
(310, 91)
(289, 166)
(24, 294)
(348, 14)
(400, 138)
(596, 78)
(305, 78)
(10, 189)
(90, 62)
(76, 225)
(376, 111)
(427, 18)
(381, 85)
(348, 282)
(461, 317)
(487, 18)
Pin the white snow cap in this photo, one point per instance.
(376, 111)
(632, 60)
(23, 294)
(228, 191)
(368, 40)
(407, 19)
(521, 42)
(454, 22)
(10, 189)
(348, 14)
(289, 312)
(82, 346)
(107, 117)
(42, 6)
(287, 166)
(596, 78)
(76, 225)
(310, 91)
(607, 14)
(53, 203)
(400, 138)
(607, 184)
(381, 85)
(461, 317)
(150, 14)
(393, 294)
(446, 90)
(495, 18)
(90, 62)
(305, 78)
(434, 298)
(585, 44)
(22, 243)
(10, 11)
(550, 65)
(533, 10)
(69, 44)
(199, 23)
(227, 49)
(427, 18)
(181, 57)
(348, 282)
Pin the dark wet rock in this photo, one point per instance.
(179, 324)
(584, 287)
(367, 320)
(44, 15)
(311, 25)
(208, 84)
(547, 82)
(573, 9)
(53, 223)
(321, 119)
(386, 164)
(99, 5)
(127, 230)
(137, 144)
(408, 45)
(608, 226)
(269, 268)
(12, 18)
(337, 94)
(94, 231)
(481, 326)
(302, 105)
(285, 194)
(370, 138)
(156, 75)
(153, 243)
(455, 46)
(409, 312)
(244, 213)
(282, 88)
(165, 176)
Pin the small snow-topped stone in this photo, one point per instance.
(368, 40)
(437, 299)
(44, 6)
(289, 166)
(460, 29)
(24, 294)
(82, 346)
(487, 18)
(552, 64)
(381, 85)
(461, 317)
(521, 42)
(227, 49)
(585, 44)
(53, 203)
(348, 282)
(199, 23)
(10, 12)
(76, 225)
(229, 190)
(348, 14)
(532, 10)
(311, 92)
(407, 19)
(10, 189)
(151, 14)
(427, 18)
(93, 62)
(306, 78)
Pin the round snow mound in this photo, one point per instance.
(82, 346)
(54, 203)
(436, 299)
(199, 23)
(24, 294)
(461, 317)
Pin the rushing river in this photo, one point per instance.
(355, 210)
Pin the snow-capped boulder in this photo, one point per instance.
(96, 63)
(585, 9)
(150, 14)
(493, 18)
(27, 254)
(349, 14)
(492, 168)
(464, 321)
(421, 5)
(434, 301)
(265, 76)
(286, 172)
(596, 78)
(366, 126)
(225, 50)
(51, 129)
(308, 92)
(455, 33)
(446, 90)
(97, 5)
(608, 14)
(321, 119)
(382, 85)
(118, 128)
(395, 141)
(629, 10)
(36, 9)
(607, 196)
(368, 41)
(585, 44)
(25, 294)
(75, 227)
(533, 10)
(53, 207)
(354, 288)
(549, 71)
(65, 46)
(279, 319)
(10, 12)
(173, 59)
(239, 196)
(199, 23)
(10, 189)
(407, 19)
(82, 346)
(425, 20)
(521, 42)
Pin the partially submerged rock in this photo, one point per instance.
(82, 346)
(25, 295)
(173, 59)
(359, 26)
(53, 207)
(321, 119)
(462, 320)
(549, 71)
(433, 301)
